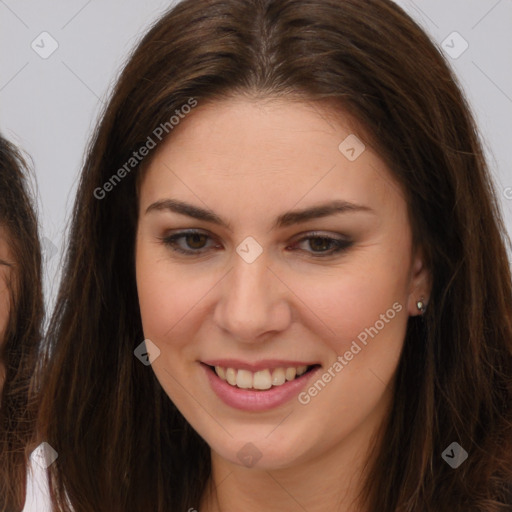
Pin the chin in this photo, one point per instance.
(261, 454)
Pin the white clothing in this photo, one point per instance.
(37, 499)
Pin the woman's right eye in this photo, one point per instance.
(193, 239)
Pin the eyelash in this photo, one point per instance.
(342, 245)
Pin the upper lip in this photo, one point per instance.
(256, 366)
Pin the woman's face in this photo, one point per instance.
(5, 258)
(264, 288)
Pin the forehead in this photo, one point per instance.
(237, 127)
(268, 151)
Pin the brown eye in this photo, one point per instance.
(320, 244)
(194, 242)
(323, 246)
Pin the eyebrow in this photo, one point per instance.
(284, 220)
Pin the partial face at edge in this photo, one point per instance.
(250, 291)
(5, 301)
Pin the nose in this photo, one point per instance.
(253, 301)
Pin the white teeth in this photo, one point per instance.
(231, 376)
(244, 379)
(301, 370)
(220, 372)
(262, 379)
(290, 373)
(278, 377)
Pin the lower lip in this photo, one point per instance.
(250, 400)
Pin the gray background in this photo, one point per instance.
(49, 106)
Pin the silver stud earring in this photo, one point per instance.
(421, 305)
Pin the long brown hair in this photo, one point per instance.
(122, 444)
(23, 335)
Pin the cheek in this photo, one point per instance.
(4, 309)
(356, 298)
(169, 302)
(158, 297)
(4, 319)
(169, 298)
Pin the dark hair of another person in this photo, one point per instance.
(122, 444)
(18, 405)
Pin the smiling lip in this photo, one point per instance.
(252, 400)
(260, 365)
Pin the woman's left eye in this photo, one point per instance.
(195, 242)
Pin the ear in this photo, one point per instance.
(420, 284)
